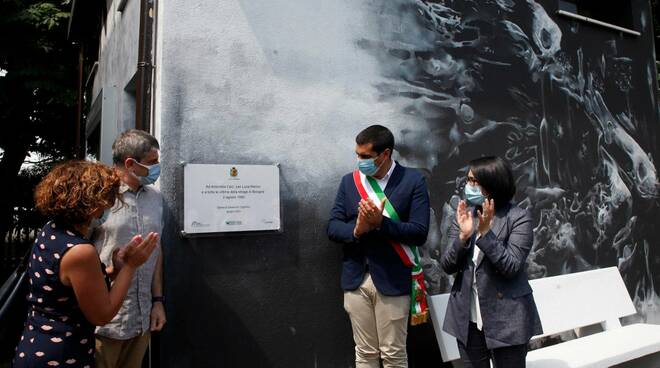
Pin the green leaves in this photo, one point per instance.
(45, 14)
(38, 95)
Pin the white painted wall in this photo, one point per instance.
(118, 52)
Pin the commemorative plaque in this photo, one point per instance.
(231, 198)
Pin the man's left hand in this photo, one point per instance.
(157, 316)
(372, 213)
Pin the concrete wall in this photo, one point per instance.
(118, 52)
(292, 82)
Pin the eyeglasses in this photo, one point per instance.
(472, 180)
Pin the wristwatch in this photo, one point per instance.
(158, 299)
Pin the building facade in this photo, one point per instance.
(570, 102)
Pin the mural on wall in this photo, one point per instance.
(492, 77)
(571, 107)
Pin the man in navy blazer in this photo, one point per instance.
(376, 282)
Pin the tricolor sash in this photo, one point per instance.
(370, 190)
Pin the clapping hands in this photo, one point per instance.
(133, 254)
(486, 216)
(370, 216)
(465, 220)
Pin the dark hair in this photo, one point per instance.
(73, 190)
(495, 177)
(380, 137)
(133, 143)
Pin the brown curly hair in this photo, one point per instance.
(73, 190)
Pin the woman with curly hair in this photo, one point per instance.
(68, 294)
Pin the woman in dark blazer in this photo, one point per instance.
(491, 310)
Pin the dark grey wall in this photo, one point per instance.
(572, 106)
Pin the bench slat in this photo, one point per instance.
(580, 299)
(603, 349)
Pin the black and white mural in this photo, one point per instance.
(501, 77)
(570, 105)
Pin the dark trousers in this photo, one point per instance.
(475, 354)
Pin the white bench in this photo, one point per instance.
(569, 302)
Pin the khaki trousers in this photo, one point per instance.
(112, 353)
(380, 326)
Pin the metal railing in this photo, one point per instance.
(15, 247)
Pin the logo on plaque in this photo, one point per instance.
(233, 172)
(199, 224)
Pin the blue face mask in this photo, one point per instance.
(98, 221)
(367, 166)
(104, 217)
(473, 195)
(152, 176)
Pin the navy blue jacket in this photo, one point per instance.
(406, 190)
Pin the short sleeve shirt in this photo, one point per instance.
(141, 213)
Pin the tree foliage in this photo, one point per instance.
(38, 89)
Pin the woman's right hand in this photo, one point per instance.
(138, 250)
(465, 221)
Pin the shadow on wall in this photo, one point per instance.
(255, 300)
(208, 334)
(203, 328)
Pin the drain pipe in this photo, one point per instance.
(143, 88)
(80, 128)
